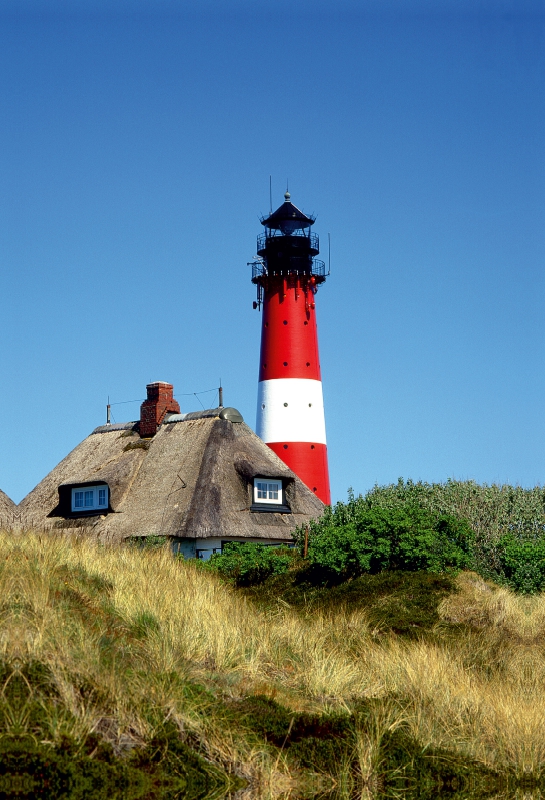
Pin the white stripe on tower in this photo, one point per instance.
(290, 410)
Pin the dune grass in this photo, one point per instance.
(119, 645)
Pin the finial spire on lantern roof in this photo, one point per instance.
(287, 217)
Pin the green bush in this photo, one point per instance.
(248, 563)
(353, 538)
(499, 528)
(493, 511)
(523, 563)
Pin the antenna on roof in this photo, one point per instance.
(220, 395)
(108, 412)
(270, 192)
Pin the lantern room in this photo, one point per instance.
(288, 247)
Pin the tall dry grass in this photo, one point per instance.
(127, 636)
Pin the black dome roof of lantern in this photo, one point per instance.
(287, 216)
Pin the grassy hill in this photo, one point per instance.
(127, 673)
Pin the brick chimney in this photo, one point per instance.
(160, 402)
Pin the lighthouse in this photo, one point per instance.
(290, 406)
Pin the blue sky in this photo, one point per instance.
(136, 144)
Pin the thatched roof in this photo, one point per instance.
(7, 510)
(193, 479)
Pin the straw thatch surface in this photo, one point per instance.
(194, 479)
(7, 511)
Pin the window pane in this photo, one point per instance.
(89, 499)
(102, 497)
(78, 499)
(261, 491)
(273, 491)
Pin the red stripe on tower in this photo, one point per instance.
(290, 407)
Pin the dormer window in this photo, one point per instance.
(269, 494)
(267, 490)
(89, 498)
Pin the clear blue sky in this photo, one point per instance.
(136, 144)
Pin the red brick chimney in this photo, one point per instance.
(159, 403)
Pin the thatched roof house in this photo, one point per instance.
(200, 479)
(7, 511)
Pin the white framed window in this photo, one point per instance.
(89, 498)
(267, 491)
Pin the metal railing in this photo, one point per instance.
(291, 266)
(312, 239)
(318, 268)
(259, 269)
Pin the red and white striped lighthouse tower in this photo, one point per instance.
(290, 406)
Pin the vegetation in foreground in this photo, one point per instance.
(146, 676)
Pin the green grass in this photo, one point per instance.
(128, 673)
(404, 603)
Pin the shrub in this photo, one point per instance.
(493, 512)
(353, 538)
(249, 564)
(523, 563)
(499, 528)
